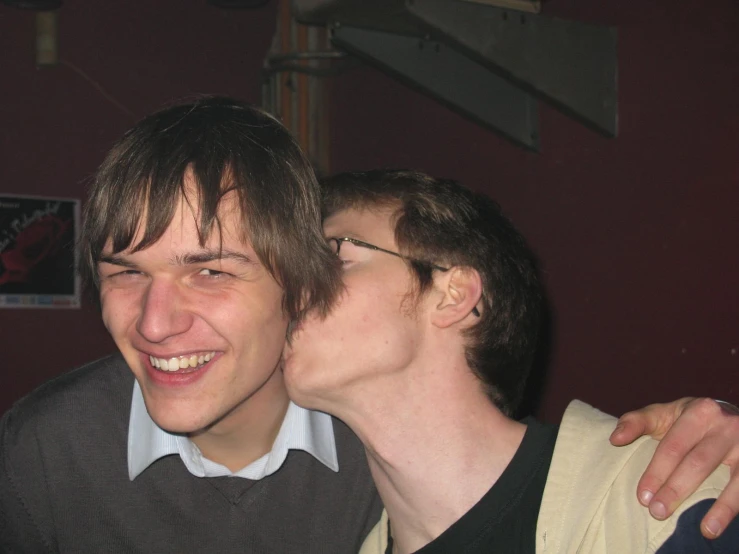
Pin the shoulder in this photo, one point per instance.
(73, 399)
(53, 441)
(590, 495)
(102, 377)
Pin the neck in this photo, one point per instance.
(248, 431)
(433, 450)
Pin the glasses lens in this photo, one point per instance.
(335, 245)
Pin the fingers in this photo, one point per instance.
(660, 475)
(723, 511)
(714, 435)
(654, 420)
(674, 458)
(628, 429)
(670, 488)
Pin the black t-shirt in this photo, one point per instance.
(504, 520)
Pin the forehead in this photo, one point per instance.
(185, 230)
(367, 224)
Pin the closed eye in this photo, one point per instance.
(122, 276)
(348, 251)
(346, 257)
(207, 272)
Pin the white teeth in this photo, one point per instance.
(183, 362)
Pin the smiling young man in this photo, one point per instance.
(425, 357)
(188, 317)
(202, 235)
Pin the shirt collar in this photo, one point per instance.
(302, 429)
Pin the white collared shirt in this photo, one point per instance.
(301, 429)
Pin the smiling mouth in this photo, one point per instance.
(192, 362)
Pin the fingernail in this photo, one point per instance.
(713, 527)
(645, 497)
(618, 429)
(658, 510)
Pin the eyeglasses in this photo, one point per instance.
(336, 242)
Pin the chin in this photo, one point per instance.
(307, 389)
(295, 383)
(182, 420)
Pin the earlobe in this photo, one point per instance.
(461, 290)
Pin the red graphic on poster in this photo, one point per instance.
(40, 239)
(37, 252)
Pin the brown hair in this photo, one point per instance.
(228, 146)
(441, 222)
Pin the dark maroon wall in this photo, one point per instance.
(637, 236)
(55, 126)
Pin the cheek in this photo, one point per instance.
(254, 321)
(361, 314)
(361, 322)
(117, 309)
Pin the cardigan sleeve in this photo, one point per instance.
(376, 541)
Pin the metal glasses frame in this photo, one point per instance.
(363, 244)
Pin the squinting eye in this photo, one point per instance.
(126, 277)
(125, 273)
(211, 272)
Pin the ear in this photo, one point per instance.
(461, 291)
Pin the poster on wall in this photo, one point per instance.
(38, 257)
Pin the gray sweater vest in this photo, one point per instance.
(64, 485)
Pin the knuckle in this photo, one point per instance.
(668, 493)
(723, 512)
(672, 449)
(700, 459)
(706, 408)
(650, 482)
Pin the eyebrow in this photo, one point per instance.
(114, 259)
(191, 258)
(206, 256)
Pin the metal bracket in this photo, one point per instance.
(569, 64)
(451, 78)
(485, 53)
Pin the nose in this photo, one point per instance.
(164, 312)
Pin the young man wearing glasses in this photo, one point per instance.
(425, 356)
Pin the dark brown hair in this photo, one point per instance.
(441, 222)
(229, 146)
